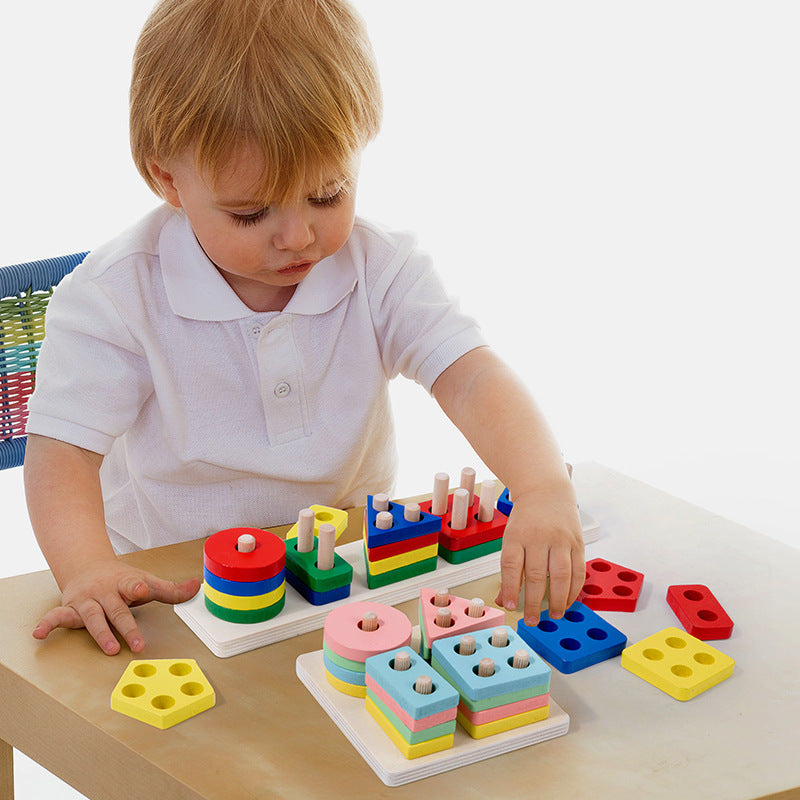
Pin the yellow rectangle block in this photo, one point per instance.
(505, 724)
(402, 560)
(409, 750)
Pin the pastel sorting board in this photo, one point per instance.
(225, 639)
(350, 715)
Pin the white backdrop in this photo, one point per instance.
(611, 188)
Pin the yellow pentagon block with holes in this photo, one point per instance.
(162, 691)
(322, 514)
(677, 663)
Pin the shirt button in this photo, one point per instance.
(282, 389)
(256, 330)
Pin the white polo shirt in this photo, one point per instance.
(211, 415)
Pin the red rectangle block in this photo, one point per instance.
(699, 611)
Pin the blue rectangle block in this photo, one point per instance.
(401, 529)
(316, 598)
(577, 641)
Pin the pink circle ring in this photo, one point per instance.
(344, 636)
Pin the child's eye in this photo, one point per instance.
(249, 219)
(331, 199)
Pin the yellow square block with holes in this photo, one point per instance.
(322, 514)
(162, 691)
(677, 663)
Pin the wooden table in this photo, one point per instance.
(267, 737)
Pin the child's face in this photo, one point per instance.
(263, 253)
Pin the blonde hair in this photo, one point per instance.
(294, 79)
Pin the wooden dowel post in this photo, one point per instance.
(441, 487)
(327, 543)
(461, 506)
(486, 506)
(305, 531)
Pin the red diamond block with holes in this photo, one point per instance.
(699, 612)
(610, 587)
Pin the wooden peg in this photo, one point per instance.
(305, 531)
(441, 598)
(369, 622)
(476, 607)
(246, 543)
(441, 486)
(327, 543)
(466, 647)
(402, 661)
(380, 502)
(499, 637)
(424, 684)
(468, 481)
(521, 659)
(444, 619)
(485, 668)
(486, 507)
(384, 520)
(411, 512)
(460, 515)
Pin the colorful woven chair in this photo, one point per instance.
(25, 290)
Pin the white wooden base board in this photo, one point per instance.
(370, 740)
(225, 639)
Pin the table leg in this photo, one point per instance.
(6, 771)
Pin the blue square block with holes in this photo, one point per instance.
(402, 529)
(400, 685)
(577, 641)
(462, 671)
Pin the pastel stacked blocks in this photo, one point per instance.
(418, 724)
(244, 587)
(476, 540)
(578, 640)
(461, 621)
(509, 698)
(162, 692)
(347, 645)
(677, 663)
(610, 587)
(318, 586)
(405, 550)
(699, 611)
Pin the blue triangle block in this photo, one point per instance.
(401, 530)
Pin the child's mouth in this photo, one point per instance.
(295, 268)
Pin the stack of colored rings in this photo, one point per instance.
(244, 574)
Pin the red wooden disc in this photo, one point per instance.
(223, 559)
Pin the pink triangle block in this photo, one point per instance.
(462, 623)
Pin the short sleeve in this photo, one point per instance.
(91, 377)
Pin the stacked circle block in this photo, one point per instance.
(475, 540)
(240, 586)
(353, 633)
(419, 719)
(303, 573)
(501, 681)
(610, 587)
(459, 619)
(404, 549)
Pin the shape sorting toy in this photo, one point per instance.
(162, 692)
(504, 502)
(502, 682)
(354, 632)
(418, 721)
(323, 515)
(244, 571)
(610, 587)
(459, 618)
(699, 611)
(577, 641)
(677, 663)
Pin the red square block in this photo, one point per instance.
(610, 587)
(699, 611)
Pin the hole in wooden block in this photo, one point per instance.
(693, 595)
(675, 642)
(162, 702)
(133, 690)
(681, 671)
(192, 688)
(180, 668)
(651, 654)
(144, 670)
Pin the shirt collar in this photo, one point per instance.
(196, 289)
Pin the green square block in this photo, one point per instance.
(468, 553)
(395, 575)
(304, 566)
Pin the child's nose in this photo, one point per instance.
(294, 231)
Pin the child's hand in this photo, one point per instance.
(543, 537)
(101, 596)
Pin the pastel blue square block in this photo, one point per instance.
(316, 598)
(462, 671)
(400, 685)
(346, 675)
(504, 503)
(401, 529)
(577, 641)
(242, 588)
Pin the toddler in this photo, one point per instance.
(225, 361)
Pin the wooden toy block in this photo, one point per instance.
(610, 587)
(504, 503)
(404, 546)
(412, 737)
(400, 574)
(699, 611)
(470, 553)
(162, 692)
(243, 588)
(380, 566)
(504, 710)
(304, 567)
(463, 672)
(408, 750)
(246, 617)
(346, 663)
(503, 724)
(677, 663)
(577, 641)
(354, 690)
(344, 634)
(447, 715)
(475, 532)
(352, 677)
(267, 559)
(460, 621)
(317, 598)
(244, 603)
(323, 515)
(401, 529)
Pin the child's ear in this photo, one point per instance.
(166, 183)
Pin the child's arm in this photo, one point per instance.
(501, 421)
(62, 486)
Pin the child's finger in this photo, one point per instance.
(161, 590)
(512, 561)
(560, 582)
(61, 617)
(94, 619)
(535, 585)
